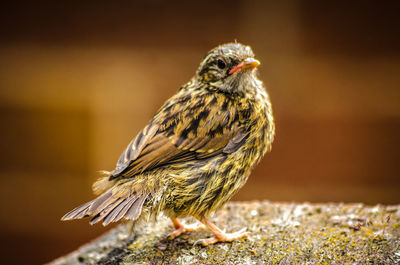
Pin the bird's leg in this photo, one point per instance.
(219, 235)
(182, 228)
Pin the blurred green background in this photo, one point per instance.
(79, 79)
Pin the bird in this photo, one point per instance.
(195, 153)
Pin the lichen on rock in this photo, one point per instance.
(279, 233)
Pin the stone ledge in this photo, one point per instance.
(280, 233)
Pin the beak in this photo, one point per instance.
(249, 63)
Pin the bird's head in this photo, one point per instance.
(229, 67)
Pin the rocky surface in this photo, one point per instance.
(279, 233)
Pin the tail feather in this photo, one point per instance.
(123, 211)
(106, 204)
(99, 201)
(135, 210)
(109, 208)
(88, 208)
(77, 213)
(104, 212)
(118, 212)
(130, 208)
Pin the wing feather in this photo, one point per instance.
(182, 132)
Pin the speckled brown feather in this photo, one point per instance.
(196, 152)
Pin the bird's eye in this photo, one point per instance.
(221, 64)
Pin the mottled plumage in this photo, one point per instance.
(196, 152)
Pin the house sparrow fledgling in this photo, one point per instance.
(196, 152)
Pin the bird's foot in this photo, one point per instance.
(224, 237)
(219, 235)
(183, 228)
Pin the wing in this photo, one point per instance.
(190, 126)
(134, 148)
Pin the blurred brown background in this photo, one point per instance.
(79, 79)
